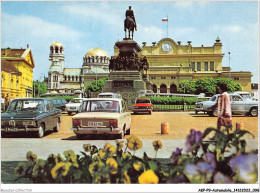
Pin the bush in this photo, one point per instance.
(206, 85)
(172, 100)
(205, 161)
(96, 86)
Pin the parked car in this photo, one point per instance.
(142, 105)
(109, 95)
(245, 95)
(31, 115)
(238, 105)
(73, 105)
(200, 99)
(59, 103)
(102, 116)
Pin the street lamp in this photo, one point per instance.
(229, 66)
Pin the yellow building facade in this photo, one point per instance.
(17, 72)
(171, 63)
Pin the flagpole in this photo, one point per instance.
(167, 25)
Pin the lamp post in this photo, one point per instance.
(229, 66)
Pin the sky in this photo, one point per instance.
(83, 25)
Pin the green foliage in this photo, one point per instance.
(206, 85)
(39, 88)
(96, 86)
(172, 100)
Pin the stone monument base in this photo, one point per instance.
(127, 83)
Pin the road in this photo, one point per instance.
(147, 127)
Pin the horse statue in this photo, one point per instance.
(129, 23)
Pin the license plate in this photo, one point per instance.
(95, 124)
(72, 107)
(11, 129)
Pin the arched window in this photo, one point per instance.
(56, 49)
(12, 81)
(163, 88)
(65, 78)
(51, 49)
(17, 85)
(154, 88)
(72, 77)
(61, 49)
(76, 78)
(173, 88)
(69, 78)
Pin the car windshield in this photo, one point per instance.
(213, 98)
(54, 101)
(26, 105)
(246, 96)
(105, 96)
(101, 106)
(75, 100)
(143, 101)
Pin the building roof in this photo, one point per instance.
(96, 52)
(9, 67)
(72, 71)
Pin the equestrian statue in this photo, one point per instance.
(130, 23)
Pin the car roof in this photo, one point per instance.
(241, 92)
(31, 99)
(102, 99)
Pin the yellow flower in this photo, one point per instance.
(30, 156)
(87, 147)
(157, 144)
(59, 158)
(148, 177)
(134, 143)
(119, 145)
(126, 178)
(112, 165)
(109, 149)
(38, 167)
(102, 179)
(95, 167)
(70, 156)
(60, 168)
(137, 165)
(127, 156)
(19, 170)
(102, 154)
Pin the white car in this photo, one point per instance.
(109, 95)
(74, 105)
(102, 116)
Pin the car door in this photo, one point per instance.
(237, 103)
(125, 114)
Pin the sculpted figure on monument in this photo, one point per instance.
(111, 64)
(130, 23)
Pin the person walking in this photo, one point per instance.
(7, 101)
(224, 107)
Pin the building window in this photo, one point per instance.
(173, 77)
(163, 77)
(206, 66)
(17, 85)
(211, 66)
(193, 66)
(236, 78)
(153, 77)
(11, 83)
(56, 49)
(163, 88)
(198, 66)
(154, 88)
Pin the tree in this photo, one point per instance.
(39, 88)
(206, 85)
(96, 86)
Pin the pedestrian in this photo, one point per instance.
(7, 101)
(224, 107)
(3, 103)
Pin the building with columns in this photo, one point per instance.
(69, 80)
(171, 63)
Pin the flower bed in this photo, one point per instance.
(221, 159)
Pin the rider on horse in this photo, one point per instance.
(130, 13)
(130, 23)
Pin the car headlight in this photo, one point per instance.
(29, 123)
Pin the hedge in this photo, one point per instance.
(172, 100)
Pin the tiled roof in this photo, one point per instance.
(8, 52)
(9, 67)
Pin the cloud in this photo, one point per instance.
(227, 29)
(149, 34)
(103, 15)
(234, 28)
(183, 4)
(34, 27)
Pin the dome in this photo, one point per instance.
(54, 44)
(96, 52)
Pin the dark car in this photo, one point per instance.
(31, 115)
(59, 103)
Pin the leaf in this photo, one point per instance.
(152, 165)
(145, 157)
(208, 130)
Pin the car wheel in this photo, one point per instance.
(215, 113)
(56, 129)
(150, 112)
(69, 113)
(253, 112)
(41, 131)
(128, 131)
(135, 113)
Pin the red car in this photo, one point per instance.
(142, 105)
